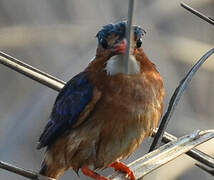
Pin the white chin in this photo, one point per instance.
(116, 65)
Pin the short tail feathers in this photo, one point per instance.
(43, 168)
(52, 170)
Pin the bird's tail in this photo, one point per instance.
(51, 170)
(43, 170)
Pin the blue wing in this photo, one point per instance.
(70, 102)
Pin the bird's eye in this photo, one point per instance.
(104, 43)
(139, 43)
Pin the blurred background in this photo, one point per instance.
(59, 38)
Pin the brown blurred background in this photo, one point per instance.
(59, 38)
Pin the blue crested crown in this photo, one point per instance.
(118, 29)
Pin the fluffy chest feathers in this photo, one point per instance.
(130, 107)
(115, 65)
(142, 87)
(134, 93)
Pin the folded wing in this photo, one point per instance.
(72, 106)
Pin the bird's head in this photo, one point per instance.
(112, 45)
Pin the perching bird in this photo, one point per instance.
(103, 114)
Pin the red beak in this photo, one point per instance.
(120, 48)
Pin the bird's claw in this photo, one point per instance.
(88, 172)
(119, 166)
(101, 178)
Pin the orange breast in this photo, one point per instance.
(130, 107)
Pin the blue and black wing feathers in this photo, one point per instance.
(70, 102)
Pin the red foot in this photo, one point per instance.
(92, 174)
(119, 166)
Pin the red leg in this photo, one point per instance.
(119, 166)
(88, 172)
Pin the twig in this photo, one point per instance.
(175, 99)
(166, 153)
(20, 171)
(23, 172)
(129, 34)
(194, 153)
(197, 13)
(210, 171)
(31, 72)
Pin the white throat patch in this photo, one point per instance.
(115, 65)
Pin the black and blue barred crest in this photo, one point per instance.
(118, 29)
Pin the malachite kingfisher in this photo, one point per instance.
(103, 113)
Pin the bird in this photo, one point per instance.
(104, 113)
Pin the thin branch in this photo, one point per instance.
(194, 153)
(23, 172)
(175, 99)
(20, 171)
(210, 171)
(165, 153)
(129, 33)
(197, 13)
(31, 72)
